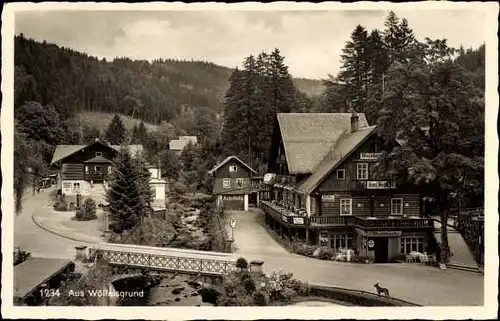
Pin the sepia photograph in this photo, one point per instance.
(289, 160)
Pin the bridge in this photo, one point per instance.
(165, 259)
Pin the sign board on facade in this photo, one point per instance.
(369, 156)
(379, 233)
(298, 220)
(232, 197)
(323, 238)
(378, 184)
(233, 222)
(328, 197)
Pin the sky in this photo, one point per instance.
(311, 41)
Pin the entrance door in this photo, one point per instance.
(252, 198)
(381, 249)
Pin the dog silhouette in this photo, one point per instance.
(381, 290)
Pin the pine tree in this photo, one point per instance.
(143, 185)
(134, 135)
(399, 38)
(356, 68)
(125, 196)
(115, 133)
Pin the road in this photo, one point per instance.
(40, 243)
(412, 282)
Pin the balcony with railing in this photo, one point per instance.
(371, 223)
(291, 215)
(285, 180)
(286, 213)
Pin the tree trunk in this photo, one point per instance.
(443, 209)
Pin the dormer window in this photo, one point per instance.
(233, 168)
(98, 154)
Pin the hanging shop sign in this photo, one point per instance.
(371, 244)
(323, 238)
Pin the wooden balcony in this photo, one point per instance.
(289, 217)
(285, 180)
(281, 214)
(331, 221)
(371, 223)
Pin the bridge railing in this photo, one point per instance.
(207, 265)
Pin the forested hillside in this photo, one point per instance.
(153, 92)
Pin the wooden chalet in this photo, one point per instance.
(235, 183)
(83, 166)
(324, 191)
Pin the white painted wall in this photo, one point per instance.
(154, 172)
(246, 202)
(67, 187)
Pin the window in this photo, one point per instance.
(340, 174)
(411, 244)
(341, 241)
(97, 154)
(86, 169)
(396, 206)
(153, 191)
(233, 168)
(346, 206)
(226, 183)
(240, 182)
(110, 169)
(362, 170)
(76, 186)
(97, 169)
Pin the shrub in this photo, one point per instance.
(179, 188)
(288, 294)
(305, 249)
(259, 298)
(325, 254)
(87, 212)
(249, 285)
(61, 205)
(241, 264)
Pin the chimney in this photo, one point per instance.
(354, 121)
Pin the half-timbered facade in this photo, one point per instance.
(326, 191)
(234, 184)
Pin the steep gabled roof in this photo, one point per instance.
(227, 159)
(345, 146)
(63, 151)
(308, 137)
